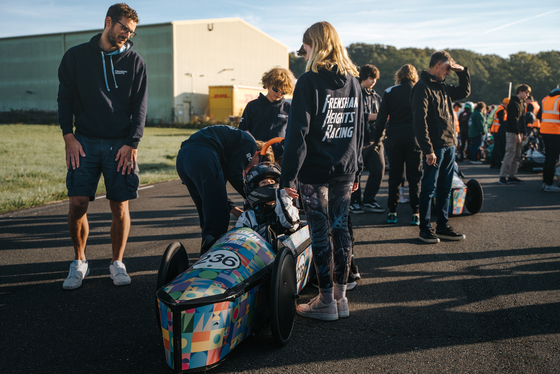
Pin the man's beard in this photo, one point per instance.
(114, 40)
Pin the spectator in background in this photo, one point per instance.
(549, 115)
(477, 129)
(498, 130)
(456, 110)
(267, 116)
(433, 125)
(373, 153)
(515, 130)
(533, 123)
(464, 119)
(402, 147)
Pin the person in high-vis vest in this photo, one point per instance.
(549, 116)
(533, 123)
(498, 131)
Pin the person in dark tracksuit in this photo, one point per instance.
(323, 146)
(373, 153)
(401, 144)
(207, 160)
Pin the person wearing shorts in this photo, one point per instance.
(103, 95)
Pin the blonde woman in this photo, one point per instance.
(401, 145)
(267, 116)
(323, 146)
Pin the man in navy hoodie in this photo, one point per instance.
(103, 93)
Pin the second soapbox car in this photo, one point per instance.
(244, 280)
(468, 195)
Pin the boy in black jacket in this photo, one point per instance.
(434, 127)
(207, 160)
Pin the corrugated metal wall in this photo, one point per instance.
(28, 73)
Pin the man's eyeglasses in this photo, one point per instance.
(126, 29)
(278, 91)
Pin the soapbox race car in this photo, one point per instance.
(463, 195)
(247, 278)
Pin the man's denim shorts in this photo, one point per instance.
(100, 158)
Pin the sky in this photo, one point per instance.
(487, 27)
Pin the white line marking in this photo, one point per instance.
(141, 188)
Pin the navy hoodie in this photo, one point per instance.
(266, 120)
(106, 92)
(325, 132)
(235, 149)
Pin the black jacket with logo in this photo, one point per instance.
(372, 102)
(266, 120)
(106, 92)
(515, 122)
(432, 107)
(325, 132)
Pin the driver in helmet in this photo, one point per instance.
(270, 206)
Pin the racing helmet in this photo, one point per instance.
(259, 195)
(469, 105)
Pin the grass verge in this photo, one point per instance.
(33, 166)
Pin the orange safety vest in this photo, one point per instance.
(550, 121)
(456, 121)
(537, 123)
(496, 124)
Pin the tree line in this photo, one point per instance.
(490, 74)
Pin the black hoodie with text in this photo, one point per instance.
(106, 92)
(266, 120)
(325, 132)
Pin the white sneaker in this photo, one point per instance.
(316, 309)
(118, 274)
(342, 307)
(351, 286)
(551, 188)
(78, 271)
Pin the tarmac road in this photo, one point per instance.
(488, 304)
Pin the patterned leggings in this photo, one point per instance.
(326, 207)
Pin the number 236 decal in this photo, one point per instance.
(218, 259)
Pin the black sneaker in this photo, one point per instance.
(515, 180)
(354, 272)
(373, 207)
(503, 180)
(449, 234)
(428, 237)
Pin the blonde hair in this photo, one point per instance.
(282, 79)
(406, 73)
(327, 50)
